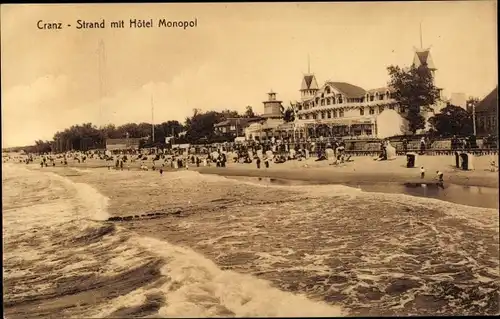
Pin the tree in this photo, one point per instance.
(167, 129)
(414, 89)
(201, 125)
(452, 120)
(249, 112)
(288, 113)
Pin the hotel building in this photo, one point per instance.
(340, 108)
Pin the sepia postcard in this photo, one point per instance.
(175, 160)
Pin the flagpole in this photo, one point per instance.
(152, 120)
(421, 41)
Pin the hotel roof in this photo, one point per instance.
(489, 103)
(381, 90)
(309, 83)
(423, 58)
(349, 90)
(240, 121)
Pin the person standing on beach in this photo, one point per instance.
(422, 172)
(439, 176)
(422, 145)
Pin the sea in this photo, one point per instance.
(240, 248)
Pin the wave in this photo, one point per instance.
(61, 258)
(480, 217)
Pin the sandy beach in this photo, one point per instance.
(361, 170)
(364, 170)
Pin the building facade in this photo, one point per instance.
(234, 126)
(271, 125)
(122, 144)
(340, 108)
(458, 99)
(486, 113)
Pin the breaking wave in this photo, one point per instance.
(62, 257)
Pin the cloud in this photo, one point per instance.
(32, 111)
(38, 110)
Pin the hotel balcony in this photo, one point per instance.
(347, 105)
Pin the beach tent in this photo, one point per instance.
(391, 151)
(214, 155)
(411, 155)
(471, 161)
(329, 153)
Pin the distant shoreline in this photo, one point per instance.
(470, 195)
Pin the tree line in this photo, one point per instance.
(81, 137)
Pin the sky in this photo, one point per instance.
(52, 79)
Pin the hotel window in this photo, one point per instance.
(381, 97)
(340, 99)
(328, 101)
(333, 100)
(334, 113)
(329, 114)
(372, 111)
(380, 109)
(341, 113)
(372, 98)
(322, 102)
(327, 90)
(362, 111)
(323, 115)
